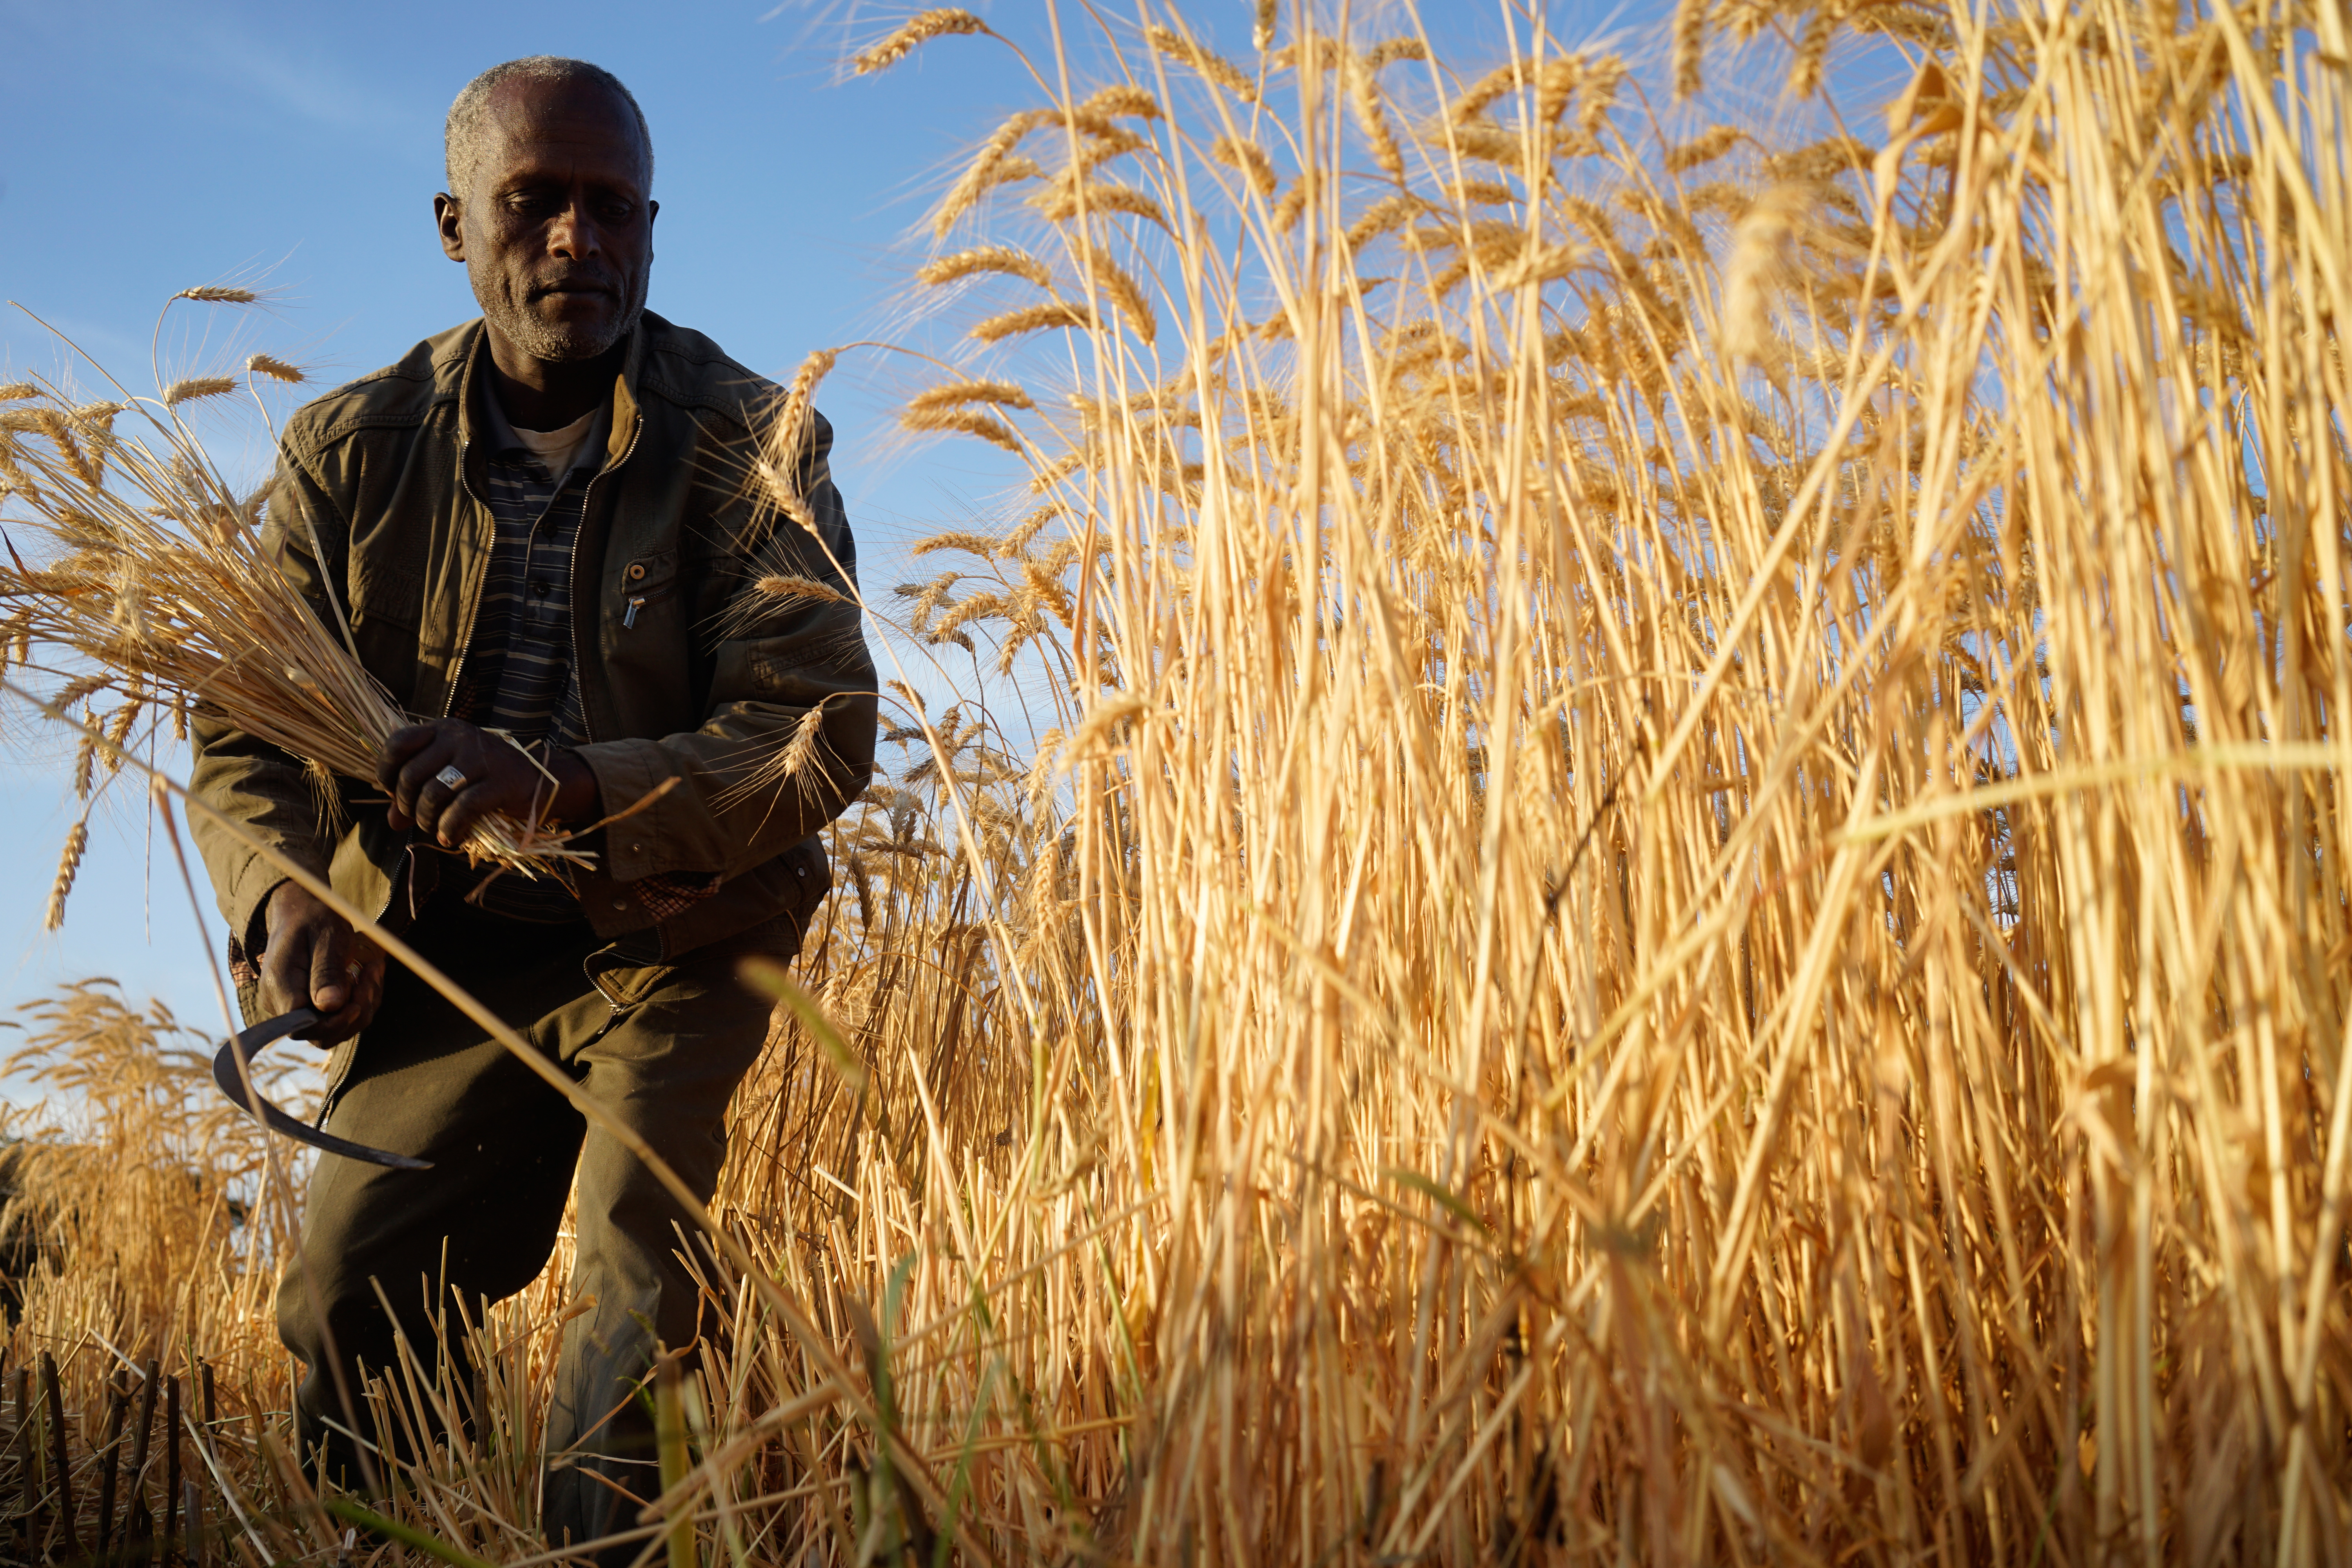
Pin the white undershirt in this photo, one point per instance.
(558, 450)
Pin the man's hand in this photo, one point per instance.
(313, 959)
(496, 778)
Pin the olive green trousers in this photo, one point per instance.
(662, 1047)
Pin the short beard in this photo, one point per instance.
(558, 344)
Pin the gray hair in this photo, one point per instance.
(462, 135)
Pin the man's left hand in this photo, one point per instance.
(496, 778)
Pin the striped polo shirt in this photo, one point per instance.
(519, 675)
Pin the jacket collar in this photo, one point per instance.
(473, 350)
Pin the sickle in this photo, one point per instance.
(232, 1069)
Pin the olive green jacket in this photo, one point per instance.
(686, 671)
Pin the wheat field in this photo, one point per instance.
(1640, 864)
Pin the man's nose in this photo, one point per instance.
(573, 234)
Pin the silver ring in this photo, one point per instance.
(450, 776)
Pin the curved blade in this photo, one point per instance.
(232, 1066)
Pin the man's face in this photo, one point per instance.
(556, 233)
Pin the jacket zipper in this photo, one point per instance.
(587, 722)
(458, 669)
(466, 642)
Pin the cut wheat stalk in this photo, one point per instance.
(138, 558)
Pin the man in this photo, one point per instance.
(536, 528)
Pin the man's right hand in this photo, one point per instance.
(312, 958)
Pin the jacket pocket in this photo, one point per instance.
(648, 580)
(811, 878)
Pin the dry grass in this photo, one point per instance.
(1685, 902)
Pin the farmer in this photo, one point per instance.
(540, 530)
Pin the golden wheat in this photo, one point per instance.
(1676, 897)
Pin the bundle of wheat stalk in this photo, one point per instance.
(134, 562)
(1688, 904)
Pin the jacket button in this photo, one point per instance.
(636, 571)
(620, 903)
(636, 848)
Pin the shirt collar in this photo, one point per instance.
(503, 446)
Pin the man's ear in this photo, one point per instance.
(450, 218)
